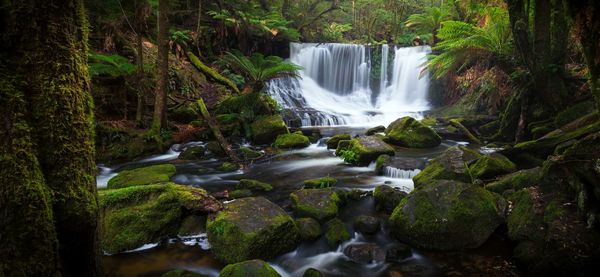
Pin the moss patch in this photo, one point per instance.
(451, 165)
(310, 229)
(192, 153)
(142, 176)
(253, 185)
(409, 132)
(387, 198)
(336, 232)
(252, 268)
(489, 166)
(320, 204)
(227, 166)
(265, 129)
(290, 141)
(363, 150)
(518, 180)
(332, 143)
(320, 183)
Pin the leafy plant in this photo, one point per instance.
(428, 23)
(335, 31)
(109, 65)
(349, 156)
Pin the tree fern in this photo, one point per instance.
(109, 65)
(426, 24)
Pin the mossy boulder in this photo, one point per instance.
(183, 273)
(451, 165)
(192, 153)
(292, 141)
(251, 268)
(240, 193)
(492, 165)
(254, 185)
(133, 216)
(310, 229)
(367, 224)
(266, 129)
(408, 132)
(215, 148)
(320, 183)
(311, 272)
(251, 228)
(332, 143)
(448, 215)
(250, 154)
(381, 162)
(320, 204)
(517, 180)
(363, 150)
(574, 112)
(227, 166)
(336, 232)
(387, 198)
(142, 176)
(375, 130)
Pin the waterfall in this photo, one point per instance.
(335, 85)
(400, 173)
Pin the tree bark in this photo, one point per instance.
(48, 158)
(214, 127)
(159, 120)
(140, 18)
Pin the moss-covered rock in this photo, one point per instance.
(183, 273)
(320, 183)
(240, 193)
(387, 198)
(574, 112)
(381, 162)
(266, 129)
(320, 204)
(517, 180)
(142, 176)
(192, 225)
(451, 165)
(291, 141)
(492, 165)
(363, 150)
(375, 130)
(192, 153)
(249, 154)
(336, 232)
(409, 132)
(367, 224)
(448, 215)
(311, 272)
(332, 143)
(215, 148)
(134, 216)
(310, 229)
(253, 185)
(227, 166)
(251, 268)
(251, 228)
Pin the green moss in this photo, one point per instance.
(524, 222)
(266, 129)
(342, 146)
(332, 143)
(292, 141)
(253, 185)
(252, 268)
(336, 232)
(574, 112)
(381, 162)
(492, 165)
(451, 165)
(429, 121)
(362, 151)
(248, 153)
(182, 273)
(142, 176)
(320, 204)
(409, 132)
(211, 72)
(320, 183)
(387, 198)
(311, 272)
(215, 148)
(374, 130)
(554, 211)
(192, 225)
(240, 193)
(310, 229)
(517, 181)
(227, 166)
(192, 153)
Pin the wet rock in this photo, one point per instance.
(192, 153)
(240, 193)
(365, 253)
(311, 272)
(408, 132)
(227, 166)
(387, 198)
(363, 150)
(332, 143)
(516, 181)
(220, 194)
(492, 165)
(134, 216)
(183, 273)
(142, 176)
(251, 228)
(310, 229)
(336, 232)
(375, 130)
(397, 253)
(251, 268)
(215, 148)
(254, 185)
(192, 225)
(381, 162)
(357, 194)
(367, 224)
(266, 129)
(451, 165)
(448, 215)
(320, 183)
(250, 154)
(320, 204)
(292, 141)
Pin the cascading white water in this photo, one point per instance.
(335, 89)
(400, 173)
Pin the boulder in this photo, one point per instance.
(250, 154)
(451, 165)
(292, 141)
(183, 273)
(332, 143)
(363, 150)
(408, 132)
(310, 229)
(266, 129)
(251, 228)
(254, 185)
(336, 232)
(311, 272)
(251, 268)
(492, 165)
(367, 224)
(320, 183)
(240, 193)
(365, 253)
(192, 153)
(397, 253)
(516, 181)
(375, 130)
(142, 176)
(133, 216)
(448, 215)
(387, 198)
(320, 204)
(215, 148)
(227, 166)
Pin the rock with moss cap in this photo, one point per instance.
(409, 132)
(251, 268)
(336, 232)
(192, 153)
(142, 176)
(254, 185)
(320, 183)
(492, 165)
(216, 149)
(332, 143)
(387, 198)
(134, 216)
(517, 180)
(451, 165)
(183, 273)
(227, 166)
(310, 229)
(363, 150)
(251, 228)
(240, 193)
(311, 272)
(266, 129)
(292, 141)
(448, 215)
(250, 154)
(375, 130)
(367, 224)
(320, 204)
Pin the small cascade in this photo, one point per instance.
(383, 78)
(393, 172)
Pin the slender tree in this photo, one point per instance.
(141, 15)
(162, 69)
(48, 203)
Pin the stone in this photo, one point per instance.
(266, 129)
(375, 130)
(192, 153)
(320, 204)
(142, 176)
(408, 132)
(516, 181)
(363, 150)
(254, 185)
(492, 165)
(320, 183)
(183, 273)
(292, 141)
(451, 165)
(387, 198)
(310, 229)
(336, 232)
(397, 253)
(251, 268)
(332, 143)
(311, 272)
(365, 253)
(367, 224)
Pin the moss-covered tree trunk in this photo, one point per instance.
(159, 120)
(48, 204)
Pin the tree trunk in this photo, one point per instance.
(159, 120)
(214, 127)
(140, 18)
(48, 145)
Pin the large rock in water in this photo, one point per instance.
(133, 216)
(409, 132)
(448, 215)
(332, 143)
(251, 228)
(320, 204)
(142, 176)
(517, 180)
(451, 165)
(252, 268)
(364, 149)
(492, 165)
(387, 198)
(266, 129)
(291, 141)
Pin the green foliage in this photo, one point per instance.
(269, 24)
(429, 22)
(109, 65)
(349, 156)
(335, 31)
(181, 37)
